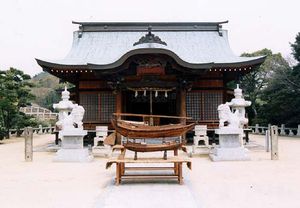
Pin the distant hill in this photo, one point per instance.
(44, 88)
(46, 80)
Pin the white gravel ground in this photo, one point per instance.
(256, 183)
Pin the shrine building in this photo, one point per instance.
(175, 69)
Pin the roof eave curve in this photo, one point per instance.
(139, 51)
(253, 62)
(49, 65)
(119, 62)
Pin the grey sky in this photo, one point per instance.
(43, 29)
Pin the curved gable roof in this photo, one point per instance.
(104, 46)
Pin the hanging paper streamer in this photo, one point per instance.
(166, 93)
(144, 92)
(156, 93)
(136, 94)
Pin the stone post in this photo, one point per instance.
(298, 130)
(282, 130)
(267, 140)
(291, 132)
(23, 132)
(256, 129)
(263, 131)
(40, 131)
(28, 144)
(274, 143)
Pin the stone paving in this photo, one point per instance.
(148, 195)
(43, 183)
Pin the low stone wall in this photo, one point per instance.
(282, 130)
(39, 130)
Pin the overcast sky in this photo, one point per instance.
(42, 28)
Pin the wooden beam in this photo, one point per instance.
(183, 105)
(154, 116)
(180, 179)
(183, 109)
(118, 111)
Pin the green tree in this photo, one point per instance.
(254, 82)
(282, 95)
(14, 93)
(47, 89)
(296, 48)
(51, 98)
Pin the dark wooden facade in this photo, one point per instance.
(195, 96)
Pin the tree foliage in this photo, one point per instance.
(257, 80)
(47, 89)
(50, 98)
(274, 88)
(282, 95)
(14, 93)
(296, 48)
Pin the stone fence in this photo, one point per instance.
(282, 130)
(39, 130)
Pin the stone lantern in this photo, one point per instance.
(238, 104)
(230, 129)
(64, 108)
(71, 131)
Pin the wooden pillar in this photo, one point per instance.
(151, 109)
(123, 169)
(118, 110)
(183, 108)
(118, 173)
(175, 152)
(76, 98)
(119, 102)
(180, 173)
(176, 168)
(183, 104)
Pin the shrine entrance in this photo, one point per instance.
(143, 102)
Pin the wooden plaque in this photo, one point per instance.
(157, 70)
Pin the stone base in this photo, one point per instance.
(230, 146)
(72, 138)
(229, 154)
(73, 155)
(102, 151)
(199, 150)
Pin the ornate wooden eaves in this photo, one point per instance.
(150, 38)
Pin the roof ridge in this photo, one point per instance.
(143, 26)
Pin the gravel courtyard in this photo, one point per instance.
(256, 183)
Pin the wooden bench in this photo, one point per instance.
(121, 168)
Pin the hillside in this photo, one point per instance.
(44, 88)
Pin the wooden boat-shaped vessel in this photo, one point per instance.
(136, 130)
(139, 147)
